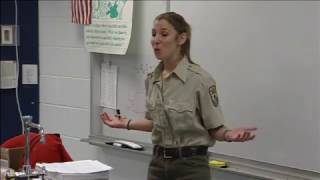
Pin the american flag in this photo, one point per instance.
(81, 11)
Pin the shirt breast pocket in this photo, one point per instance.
(181, 116)
(150, 110)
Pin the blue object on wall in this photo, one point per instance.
(28, 54)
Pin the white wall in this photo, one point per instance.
(64, 72)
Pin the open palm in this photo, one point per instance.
(113, 121)
(241, 134)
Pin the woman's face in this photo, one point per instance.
(164, 40)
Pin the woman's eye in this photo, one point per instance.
(153, 33)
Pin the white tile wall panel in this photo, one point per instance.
(64, 120)
(70, 62)
(60, 32)
(72, 92)
(49, 8)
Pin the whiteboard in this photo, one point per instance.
(132, 71)
(265, 59)
(264, 56)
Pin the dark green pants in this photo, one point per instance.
(188, 168)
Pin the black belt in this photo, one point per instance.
(187, 151)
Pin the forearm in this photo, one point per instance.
(140, 125)
(219, 133)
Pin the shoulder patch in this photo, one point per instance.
(214, 95)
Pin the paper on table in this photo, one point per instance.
(81, 167)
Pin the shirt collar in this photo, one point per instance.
(180, 70)
(157, 72)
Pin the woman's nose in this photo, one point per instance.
(156, 39)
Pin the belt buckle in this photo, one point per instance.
(165, 156)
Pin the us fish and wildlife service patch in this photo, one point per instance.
(214, 95)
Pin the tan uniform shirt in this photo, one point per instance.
(183, 106)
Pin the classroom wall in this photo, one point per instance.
(65, 93)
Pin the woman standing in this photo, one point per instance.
(183, 111)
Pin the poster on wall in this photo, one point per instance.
(111, 27)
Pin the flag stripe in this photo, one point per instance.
(89, 9)
(81, 11)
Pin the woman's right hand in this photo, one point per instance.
(115, 121)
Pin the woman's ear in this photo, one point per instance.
(182, 38)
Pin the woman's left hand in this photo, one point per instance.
(241, 134)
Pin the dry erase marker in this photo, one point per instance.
(218, 163)
(118, 113)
